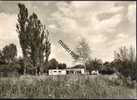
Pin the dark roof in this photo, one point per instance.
(78, 66)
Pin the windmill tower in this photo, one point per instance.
(75, 56)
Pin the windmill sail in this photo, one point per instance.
(75, 56)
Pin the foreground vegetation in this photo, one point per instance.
(69, 86)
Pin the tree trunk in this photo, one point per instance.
(25, 70)
(46, 69)
(36, 72)
(25, 67)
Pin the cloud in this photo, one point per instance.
(132, 13)
(107, 25)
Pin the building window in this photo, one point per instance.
(67, 72)
(79, 72)
(71, 72)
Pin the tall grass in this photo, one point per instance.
(61, 87)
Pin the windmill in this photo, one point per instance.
(73, 55)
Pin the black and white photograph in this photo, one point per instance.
(68, 49)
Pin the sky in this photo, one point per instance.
(106, 25)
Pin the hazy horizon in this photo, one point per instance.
(106, 25)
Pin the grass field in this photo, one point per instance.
(61, 87)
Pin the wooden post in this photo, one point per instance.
(25, 70)
(36, 72)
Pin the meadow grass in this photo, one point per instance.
(61, 87)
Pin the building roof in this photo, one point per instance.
(77, 66)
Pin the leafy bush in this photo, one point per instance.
(125, 62)
(9, 70)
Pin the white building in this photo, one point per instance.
(57, 72)
(94, 72)
(75, 71)
(66, 71)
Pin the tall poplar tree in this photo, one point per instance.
(21, 29)
(34, 40)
